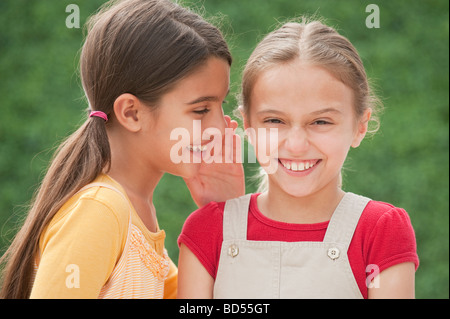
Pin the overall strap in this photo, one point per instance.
(345, 218)
(235, 216)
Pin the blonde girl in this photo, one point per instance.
(147, 67)
(303, 237)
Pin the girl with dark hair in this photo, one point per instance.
(147, 67)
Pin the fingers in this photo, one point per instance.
(232, 146)
(234, 125)
(227, 120)
(232, 142)
(225, 148)
(230, 123)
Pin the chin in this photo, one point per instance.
(185, 170)
(296, 192)
(298, 189)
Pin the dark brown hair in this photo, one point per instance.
(141, 47)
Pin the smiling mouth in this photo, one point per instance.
(197, 148)
(298, 166)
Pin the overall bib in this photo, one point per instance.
(273, 269)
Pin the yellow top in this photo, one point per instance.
(96, 246)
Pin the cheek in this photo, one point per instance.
(333, 140)
(265, 144)
(266, 141)
(334, 149)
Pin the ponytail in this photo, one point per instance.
(77, 162)
(140, 47)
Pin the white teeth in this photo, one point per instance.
(297, 166)
(196, 148)
(301, 166)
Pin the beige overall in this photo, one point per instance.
(273, 269)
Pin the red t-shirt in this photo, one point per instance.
(383, 237)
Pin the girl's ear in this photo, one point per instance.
(128, 110)
(363, 125)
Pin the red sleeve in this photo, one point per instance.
(202, 233)
(390, 239)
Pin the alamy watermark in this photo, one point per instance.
(73, 19)
(73, 279)
(373, 278)
(223, 149)
(373, 19)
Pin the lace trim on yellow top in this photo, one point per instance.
(158, 265)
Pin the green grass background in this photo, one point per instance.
(406, 163)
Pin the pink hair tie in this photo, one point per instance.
(99, 114)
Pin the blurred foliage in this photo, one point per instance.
(406, 163)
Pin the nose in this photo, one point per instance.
(296, 140)
(214, 123)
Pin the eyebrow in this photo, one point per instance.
(269, 111)
(327, 110)
(206, 99)
(319, 112)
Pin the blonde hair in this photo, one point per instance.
(317, 44)
(142, 47)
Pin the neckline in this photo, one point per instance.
(282, 225)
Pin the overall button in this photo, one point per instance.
(233, 250)
(333, 253)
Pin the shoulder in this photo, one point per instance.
(114, 204)
(98, 204)
(380, 215)
(96, 212)
(202, 234)
(387, 235)
(208, 218)
(106, 192)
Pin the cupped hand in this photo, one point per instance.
(221, 175)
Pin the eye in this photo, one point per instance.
(273, 121)
(203, 111)
(321, 122)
